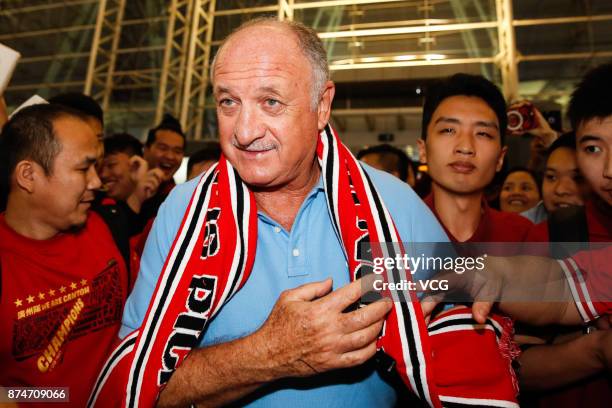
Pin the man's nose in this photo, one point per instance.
(608, 165)
(93, 181)
(465, 143)
(248, 127)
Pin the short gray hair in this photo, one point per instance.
(309, 42)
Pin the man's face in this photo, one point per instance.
(262, 87)
(594, 152)
(115, 174)
(64, 196)
(463, 147)
(166, 152)
(563, 185)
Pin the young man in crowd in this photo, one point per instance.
(125, 174)
(164, 149)
(128, 184)
(464, 120)
(390, 159)
(63, 280)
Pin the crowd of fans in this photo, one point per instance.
(78, 205)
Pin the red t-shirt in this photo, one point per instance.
(494, 226)
(589, 274)
(599, 225)
(60, 307)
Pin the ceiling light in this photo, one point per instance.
(370, 59)
(431, 57)
(404, 57)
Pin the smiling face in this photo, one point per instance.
(268, 128)
(594, 153)
(64, 196)
(115, 174)
(166, 152)
(463, 147)
(519, 192)
(563, 185)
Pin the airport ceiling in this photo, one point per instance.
(382, 53)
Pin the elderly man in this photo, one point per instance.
(287, 189)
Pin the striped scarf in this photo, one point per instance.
(212, 256)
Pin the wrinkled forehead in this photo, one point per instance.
(265, 44)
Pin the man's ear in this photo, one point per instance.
(422, 150)
(500, 159)
(25, 174)
(325, 103)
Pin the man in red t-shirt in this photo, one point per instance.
(464, 120)
(63, 280)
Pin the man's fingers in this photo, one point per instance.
(481, 310)
(367, 315)
(357, 357)
(428, 305)
(342, 298)
(361, 338)
(309, 291)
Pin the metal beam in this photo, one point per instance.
(507, 57)
(197, 68)
(285, 10)
(301, 6)
(418, 63)
(175, 59)
(409, 29)
(45, 7)
(100, 72)
(561, 20)
(38, 33)
(566, 56)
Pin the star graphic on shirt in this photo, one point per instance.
(41, 296)
(51, 292)
(30, 299)
(73, 285)
(83, 282)
(62, 289)
(18, 303)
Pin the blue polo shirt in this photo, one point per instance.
(284, 260)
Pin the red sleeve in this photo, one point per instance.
(538, 233)
(589, 274)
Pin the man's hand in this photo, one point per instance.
(543, 135)
(482, 287)
(308, 333)
(531, 289)
(147, 182)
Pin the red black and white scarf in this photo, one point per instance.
(212, 256)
